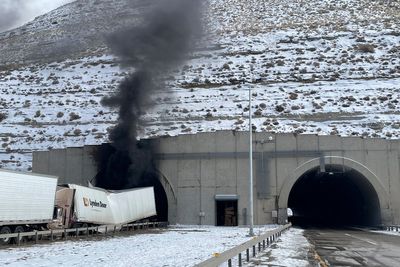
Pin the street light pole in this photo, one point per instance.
(251, 232)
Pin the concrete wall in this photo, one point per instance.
(196, 168)
(73, 165)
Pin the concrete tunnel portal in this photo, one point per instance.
(336, 197)
(323, 179)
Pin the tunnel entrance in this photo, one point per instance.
(336, 197)
(119, 176)
(160, 197)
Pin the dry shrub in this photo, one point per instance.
(366, 48)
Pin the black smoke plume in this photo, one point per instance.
(161, 41)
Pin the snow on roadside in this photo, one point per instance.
(177, 246)
(387, 232)
(291, 250)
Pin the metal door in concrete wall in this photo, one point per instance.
(227, 213)
(226, 208)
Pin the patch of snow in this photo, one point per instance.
(179, 245)
(291, 250)
(387, 232)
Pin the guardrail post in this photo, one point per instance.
(227, 256)
(51, 235)
(36, 237)
(65, 234)
(115, 228)
(77, 232)
(105, 233)
(97, 230)
(19, 239)
(87, 231)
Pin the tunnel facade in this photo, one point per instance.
(205, 177)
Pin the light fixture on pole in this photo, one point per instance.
(251, 231)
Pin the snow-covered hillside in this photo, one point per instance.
(322, 67)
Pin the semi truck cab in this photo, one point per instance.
(63, 208)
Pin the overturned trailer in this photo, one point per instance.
(82, 206)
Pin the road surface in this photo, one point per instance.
(354, 248)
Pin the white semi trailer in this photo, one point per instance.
(30, 201)
(82, 206)
(26, 201)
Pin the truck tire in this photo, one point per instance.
(22, 239)
(85, 232)
(5, 230)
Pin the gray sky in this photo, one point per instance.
(14, 13)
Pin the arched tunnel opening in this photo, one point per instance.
(153, 179)
(116, 171)
(336, 197)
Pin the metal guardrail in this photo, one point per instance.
(394, 228)
(257, 243)
(69, 233)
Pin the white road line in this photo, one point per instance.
(362, 239)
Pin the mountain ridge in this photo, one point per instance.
(316, 67)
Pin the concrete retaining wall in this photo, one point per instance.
(198, 167)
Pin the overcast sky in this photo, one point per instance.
(14, 13)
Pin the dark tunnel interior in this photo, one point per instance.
(118, 177)
(336, 197)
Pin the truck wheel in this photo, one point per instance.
(5, 230)
(85, 232)
(19, 229)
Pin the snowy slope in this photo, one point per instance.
(320, 67)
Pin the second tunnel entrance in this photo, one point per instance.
(336, 197)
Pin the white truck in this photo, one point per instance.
(26, 201)
(30, 201)
(80, 206)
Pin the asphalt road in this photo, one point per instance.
(354, 248)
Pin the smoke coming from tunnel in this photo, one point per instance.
(160, 42)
